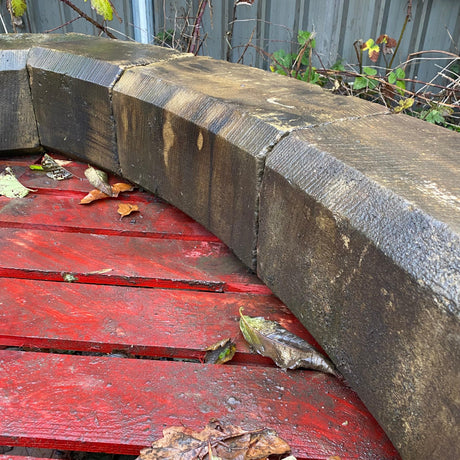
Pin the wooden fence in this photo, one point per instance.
(240, 32)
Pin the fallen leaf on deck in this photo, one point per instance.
(99, 179)
(125, 209)
(69, 277)
(220, 352)
(11, 187)
(93, 196)
(97, 194)
(226, 441)
(62, 162)
(288, 351)
(100, 272)
(53, 169)
(120, 187)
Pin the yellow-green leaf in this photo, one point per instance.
(104, 8)
(373, 49)
(11, 187)
(220, 352)
(404, 104)
(18, 7)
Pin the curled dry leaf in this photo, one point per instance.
(120, 187)
(93, 196)
(98, 179)
(97, 194)
(220, 352)
(53, 169)
(11, 187)
(288, 351)
(226, 441)
(125, 209)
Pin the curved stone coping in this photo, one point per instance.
(349, 213)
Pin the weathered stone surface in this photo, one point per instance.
(196, 131)
(18, 130)
(359, 235)
(72, 89)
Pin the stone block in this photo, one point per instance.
(359, 236)
(196, 131)
(18, 127)
(18, 130)
(72, 84)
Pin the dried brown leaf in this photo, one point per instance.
(120, 187)
(53, 169)
(125, 209)
(93, 196)
(288, 351)
(227, 442)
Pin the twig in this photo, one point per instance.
(229, 35)
(408, 16)
(196, 27)
(88, 18)
(62, 25)
(246, 47)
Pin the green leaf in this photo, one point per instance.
(283, 59)
(18, 7)
(338, 66)
(392, 78)
(402, 86)
(369, 71)
(11, 187)
(432, 116)
(400, 73)
(364, 82)
(304, 36)
(288, 351)
(360, 83)
(103, 7)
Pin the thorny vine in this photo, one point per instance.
(437, 100)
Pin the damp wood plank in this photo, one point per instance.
(155, 218)
(121, 405)
(80, 257)
(138, 321)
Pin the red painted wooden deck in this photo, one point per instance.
(108, 361)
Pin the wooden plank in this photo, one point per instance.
(155, 219)
(121, 405)
(152, 322)
(22, 457)
(50, 255)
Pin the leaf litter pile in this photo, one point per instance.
(54, 169)
(216, 441)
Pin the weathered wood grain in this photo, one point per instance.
(121, 405)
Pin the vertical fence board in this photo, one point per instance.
(272, 25)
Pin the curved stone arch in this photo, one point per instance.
(349, 213)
